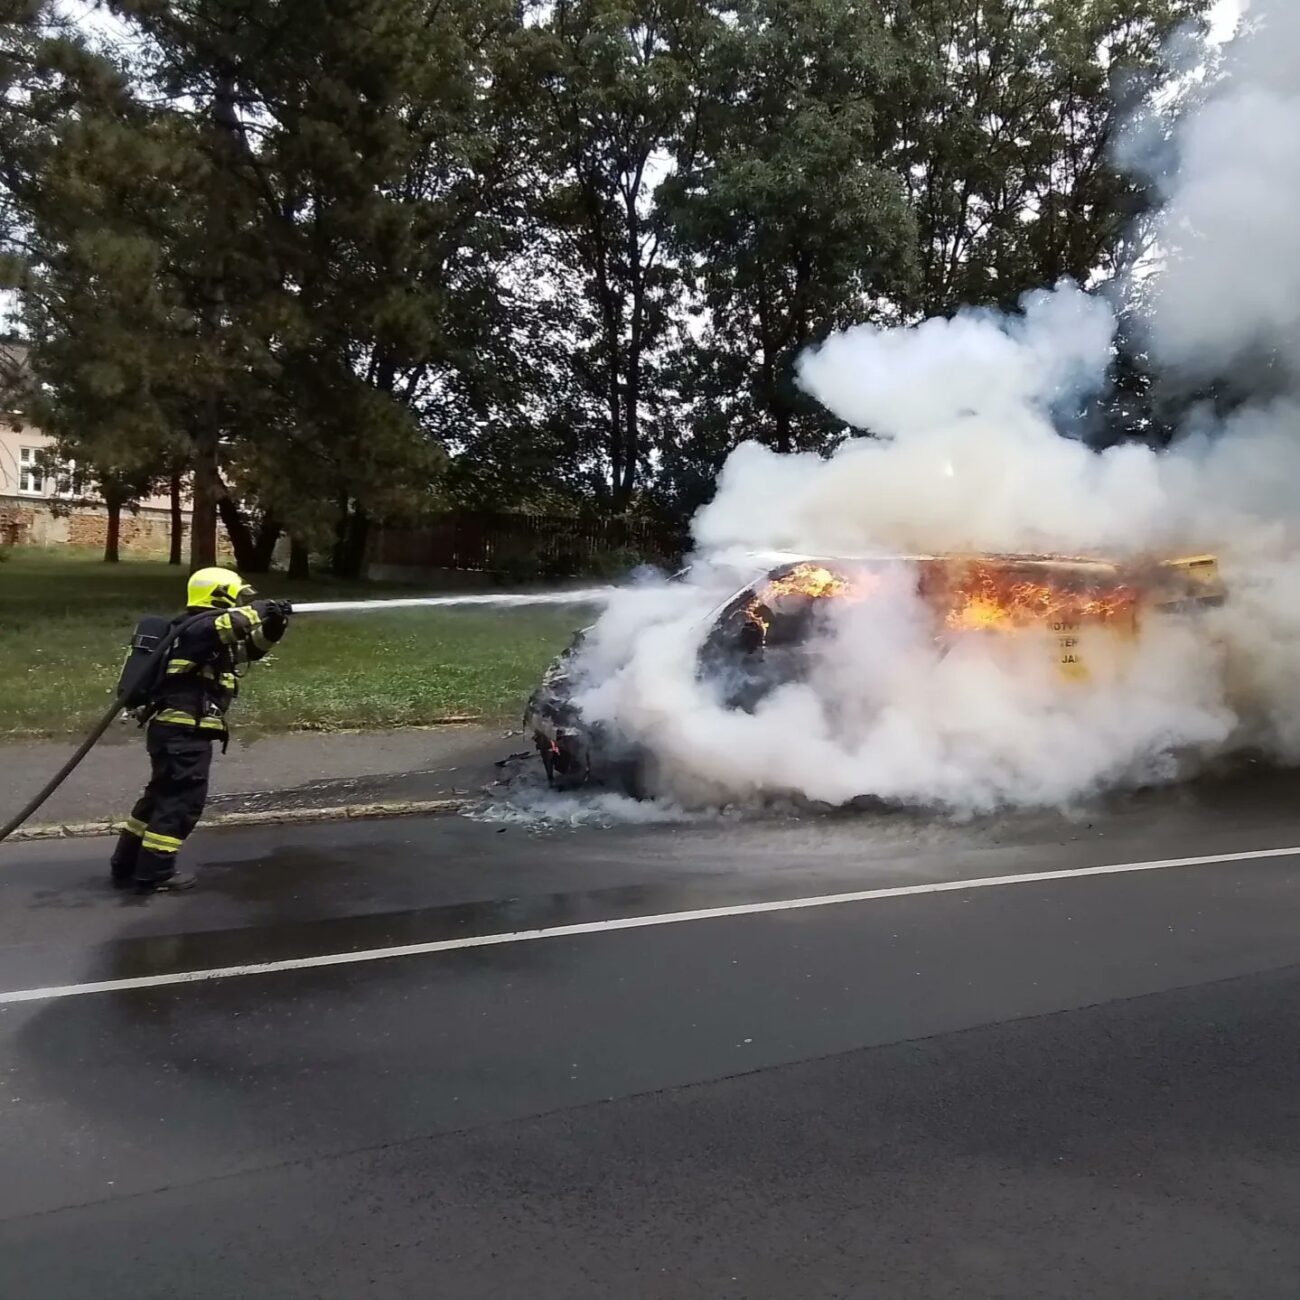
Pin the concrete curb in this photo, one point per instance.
(270, 817)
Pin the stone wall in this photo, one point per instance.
(145, 534)
(17, 523)
(141, 534)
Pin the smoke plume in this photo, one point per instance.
(964, 455)
(1231, 287)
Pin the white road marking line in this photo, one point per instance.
(623, 923)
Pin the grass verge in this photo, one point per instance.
(65, 619)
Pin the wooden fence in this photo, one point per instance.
(548, 545)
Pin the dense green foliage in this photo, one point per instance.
(342, 261)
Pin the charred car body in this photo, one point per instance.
(1080, 610)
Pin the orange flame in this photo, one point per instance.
(806, 580)
(973, 595)
(985, 598)
(811, 580)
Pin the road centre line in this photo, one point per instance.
(624, 923)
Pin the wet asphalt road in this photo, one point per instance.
(1076, 1087)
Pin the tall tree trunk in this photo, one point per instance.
(253, 545)
(351, 536)
(206, 492)
(264, 543)
(360, 540)
(299, 560)
(632, 364)
(340, 533)
(177, 522)
(237, 529)
(784, 442)
(113, 533)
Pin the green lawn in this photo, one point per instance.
(65, 619)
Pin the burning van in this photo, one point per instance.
(1080, 613)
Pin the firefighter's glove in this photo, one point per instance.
(275, 619)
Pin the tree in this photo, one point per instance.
(340, 261)
(278, 236)
(793, 219)
(81, 174)
(888, 162)
(215, 262)
(32, 92)
(621, 101)
(143, 323)
(391, 133)
(99, 312)
(353, 163)
(1011, 162)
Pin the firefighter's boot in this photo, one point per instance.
(177, 883)
(125, 856)
(155, 869)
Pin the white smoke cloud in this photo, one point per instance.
(965, 455)
(1232, 285)
(969, 457)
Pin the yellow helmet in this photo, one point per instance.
(216, 589)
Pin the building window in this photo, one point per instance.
(66, 471)
(31, 482)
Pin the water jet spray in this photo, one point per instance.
(511, 600)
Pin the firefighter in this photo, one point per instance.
(185, 716)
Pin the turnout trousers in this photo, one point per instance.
(169, 809)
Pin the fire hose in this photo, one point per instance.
(119, 703)
(583, 597)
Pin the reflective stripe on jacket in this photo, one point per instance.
(200, 680)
